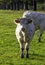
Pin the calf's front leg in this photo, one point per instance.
(22, 48)
(22, 52)
(27, 49)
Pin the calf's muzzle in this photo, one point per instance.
(23, 29)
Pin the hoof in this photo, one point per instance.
(39, 40)
(27, 56)
(22, 56)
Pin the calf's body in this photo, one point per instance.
(38, 21)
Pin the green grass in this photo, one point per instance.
(9, 46)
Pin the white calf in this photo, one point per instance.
(24, 33)
(38, 21)
(26, 27)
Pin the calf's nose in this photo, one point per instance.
(23, 29)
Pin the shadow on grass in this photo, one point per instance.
(37, 57)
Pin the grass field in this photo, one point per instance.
(9, 46)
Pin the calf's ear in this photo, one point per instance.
(16, 21)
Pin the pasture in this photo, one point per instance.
(9, 46)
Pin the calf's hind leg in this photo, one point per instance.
(40, 35)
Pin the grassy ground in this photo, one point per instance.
(9, 46)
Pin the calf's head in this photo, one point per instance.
(23, 23)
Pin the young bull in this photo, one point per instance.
(38, 21)
(26, 27)
(24, 32)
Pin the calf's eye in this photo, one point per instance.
(29, 21)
